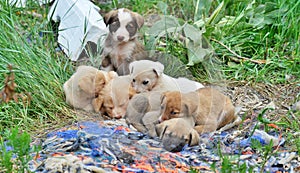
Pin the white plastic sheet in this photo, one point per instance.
(80, 22)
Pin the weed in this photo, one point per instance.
(15, 151)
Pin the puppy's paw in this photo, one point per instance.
(176, 133)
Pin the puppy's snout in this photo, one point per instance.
(120, 37)
(118, 116)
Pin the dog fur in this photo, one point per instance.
(143, 112)
(114, 97)
(177, 132)
(85, 85)
(148, 76)
(209, 108)
(121, 45)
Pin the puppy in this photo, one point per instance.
(148, 75)
(209, 108)
(114, 97)
(121, 45)
(85, 85)
(173, 137)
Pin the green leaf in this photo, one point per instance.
(163, 25)
(196, 53)
(162, 7)
(193, 33)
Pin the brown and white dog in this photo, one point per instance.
(114, 97)
(210, 109)
(122, 45)
(85, 85)
(148, 75)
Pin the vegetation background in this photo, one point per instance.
(257, 41)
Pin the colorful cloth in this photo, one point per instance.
(112, 146)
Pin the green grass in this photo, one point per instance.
(38, 69)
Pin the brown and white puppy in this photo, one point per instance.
(85, 85)
(209, 108)
(122, 45)
(148, 75)
(114, 97)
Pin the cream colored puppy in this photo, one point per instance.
(114, 97)
(148, 75)
(210, 109)
(85, 85)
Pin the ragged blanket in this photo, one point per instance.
(112, 146)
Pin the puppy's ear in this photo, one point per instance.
(112, 75)
(160, 130)
(132, 92)
(193, 138)
(162, 97)
(109, 16)
(189, 108)
(131, 65)
(97, 103)
(158, 68)
(139, 19)
(99, 82)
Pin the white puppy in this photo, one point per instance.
(148, 75)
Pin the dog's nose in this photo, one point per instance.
(120, 38)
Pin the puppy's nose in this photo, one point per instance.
(120, 38)
(160, 120)
(118, 116)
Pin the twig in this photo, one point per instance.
(238, 56)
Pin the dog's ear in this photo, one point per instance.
(131, 65)
(132, 92)
(158, 68)
(139, 19)
(193, 138)
(109, 16)
(97, 103)
(99, 82)
(160, 130)
(189, 108)
(112, 75)
(162, 97)
(92, 84)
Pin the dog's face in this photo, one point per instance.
(116, 97)
(145, 75)
(123, 24)
(171, 105)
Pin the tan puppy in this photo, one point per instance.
(84, 85)
(209, 108)
(148, 75)
(173, 137)
(121, 45)
(114, 97)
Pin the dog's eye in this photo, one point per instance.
(145, 82)
(130, 25)
(133, 80)
(173, 113)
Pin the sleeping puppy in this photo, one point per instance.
(175, 138)
(209, 108)
(122, 45)
(148, 75)
(114, 97)
(85, 85)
